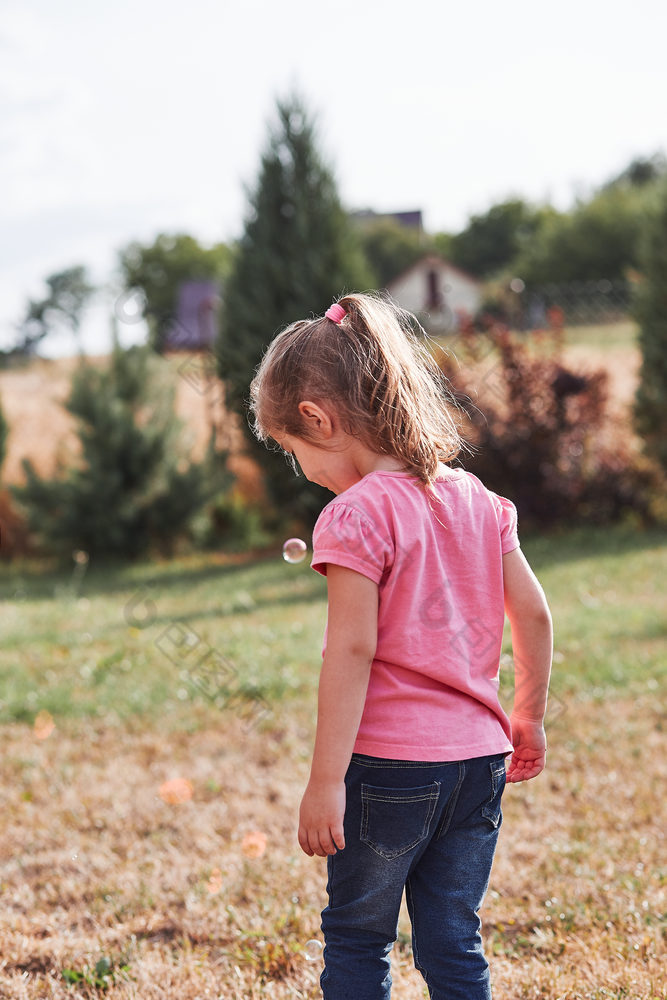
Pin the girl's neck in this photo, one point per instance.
(385, 463)
(367, 461)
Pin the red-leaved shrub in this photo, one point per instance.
(542, 434)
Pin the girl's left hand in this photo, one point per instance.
(321, 818)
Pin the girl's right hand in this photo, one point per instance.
(321, 818)
(530, 749)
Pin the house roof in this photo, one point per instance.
(432, 260)
(411, 219)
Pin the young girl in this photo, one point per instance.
(422, 562)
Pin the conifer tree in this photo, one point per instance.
(4, 430)
(651, 313)
(132, 488)
(298, 252)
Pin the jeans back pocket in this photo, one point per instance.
(395, 820)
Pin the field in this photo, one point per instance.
(42, 430)
(157, 722)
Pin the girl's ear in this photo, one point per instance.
(316, 419)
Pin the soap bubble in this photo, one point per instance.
(294, 550)
(312, 950)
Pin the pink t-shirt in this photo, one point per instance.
(437, 560)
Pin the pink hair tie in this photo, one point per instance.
(335, 313)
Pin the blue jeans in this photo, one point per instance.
(430, 828)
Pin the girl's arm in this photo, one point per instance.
(351, 644)
(532, 644)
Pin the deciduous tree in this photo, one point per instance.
(157, 270)
(68, 293)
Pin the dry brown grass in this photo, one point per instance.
(96, 864)
(42, 430)
(97, 861)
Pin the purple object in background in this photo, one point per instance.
(196, 322)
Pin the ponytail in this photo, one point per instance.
(372, 363)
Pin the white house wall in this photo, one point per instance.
(459, 294)
(462, 294)
(411, 290)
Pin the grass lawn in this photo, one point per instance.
(622, 334)
(157, 725)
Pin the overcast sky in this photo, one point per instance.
(119, 121)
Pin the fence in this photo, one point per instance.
(576, 303)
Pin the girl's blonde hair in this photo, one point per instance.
(375, 370)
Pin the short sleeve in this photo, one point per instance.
(347, 537)
(507, 522)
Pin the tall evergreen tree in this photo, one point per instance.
(651, 313)
(298, 252)
(132, 488)
(4, 430)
